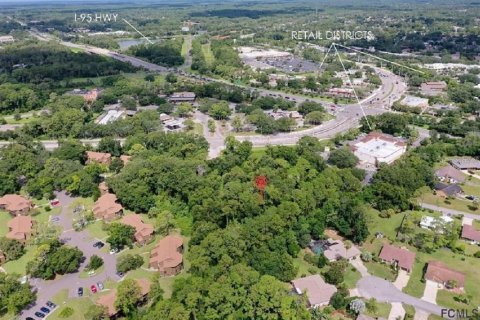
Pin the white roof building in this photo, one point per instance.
(429, 222)
(110, 116)
(376, 148)
(413, 102)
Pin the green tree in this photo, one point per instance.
(211, 126)
(120, 235)
(184, 109)
(110, 145)
(94, 263)
(96, 312)
(129, 262)
(220, 110)
(12, 249)
(342, 158)
(237, 123)
(128, 296)
(14, 296)
(116, 165)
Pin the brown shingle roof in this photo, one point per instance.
(14, 203)
(470, 233)
(20, 228)
(165, 254)
(440, 273)
(403, 257)
(99, 157)
(142, 230)
(318, 291)
(125, 159)
(109, 299)
(106, 207)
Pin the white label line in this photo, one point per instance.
(138, 31)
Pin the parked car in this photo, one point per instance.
(45, 310)
(100, 286)
(80, 291)
(93, 288)
(39, 314)
(51, 305)
(99, 244)
(113, 250)
(29, 318)
(120, 274)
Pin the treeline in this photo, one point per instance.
(50, 63)
(167, 54)
(225, 63)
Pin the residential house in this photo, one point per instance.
(448, 190)
(167, 257)
(6, 39)
(450, 279)
(108, 300)
(471, 234)
(178, 97)
(165, 117)
(99, 157)
(465, 163)
(20, 228)
(317, 290)
(336, 249)
(401, 257)
(449, 174)
(107, 208)
(15, 204)
(143, 231)
(428, 222)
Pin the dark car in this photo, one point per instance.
(120, 274)
(29, 318)
(39, 314)
(45, 310)
(80, 291)
(50, 304)
(99, 244)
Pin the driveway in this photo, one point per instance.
(385, 291)
(358, 264)
(430, 293)
(402, 279)
(420, 315)
(397, 311)
(47, 289)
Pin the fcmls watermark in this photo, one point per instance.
(335, 35)
(460, 313)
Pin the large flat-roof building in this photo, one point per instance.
(182, 97)
(6, 39)
(465, 163)
(376, 148)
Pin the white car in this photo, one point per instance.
(113, 251)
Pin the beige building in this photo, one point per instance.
(15, 204)
(167, 257)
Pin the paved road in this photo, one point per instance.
(450, 211)
(46, 290)
(385, 291)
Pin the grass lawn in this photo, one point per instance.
(387, 226)
(455, 204)
(351, 277)
(416, 285)
(4, 218)
(20, 266)
(434, 317)
(79, 306)
(381, 270)
(84, 274)
(409, 310)
(95, 230)
(446, 298)
(383, 310)
(207, 53)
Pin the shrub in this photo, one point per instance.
(477, 254)
(94, 263)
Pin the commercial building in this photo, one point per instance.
(107, 208)
(400, 257)
(15, 204)
(6, 39)
(433, 88)
(20, 228)
(143, 231)
(167, 256)
(377, 147)
(317, 290)
(465, 163)
(110, 116)
(178, 97)
(444, 276)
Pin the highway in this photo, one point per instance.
(346, 116)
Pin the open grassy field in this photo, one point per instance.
(20, 266)
(351, 277)
(383, 310)
(387, 226)
(79, 305)
(4, 218)
(208, 54)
